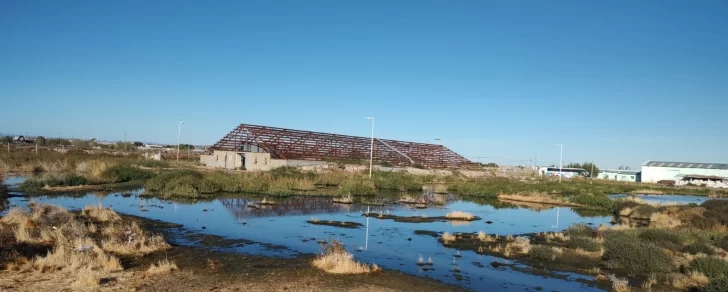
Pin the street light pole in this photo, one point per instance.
(179, 132)
(561, 160)
(189, 143)
(371, 148)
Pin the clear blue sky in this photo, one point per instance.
(617, 82)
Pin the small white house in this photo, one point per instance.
(620, 175)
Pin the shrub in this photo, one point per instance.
(357, 187)
(699, 247)
(125, 173)
(286, 171)
(543, 253)
(709, 266)
(400, 181)
(716, 209)
(644, 211)
(582, 230)
(715, 285)
(600, 201)
(624, 252)
(585, 243)
(32, 184)
(159, 182)
(663, 238)
(624, 204)
(723, 243)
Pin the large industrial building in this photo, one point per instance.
(255, 147)
(710, 174)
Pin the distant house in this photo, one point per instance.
(21, 139)
(620, 175)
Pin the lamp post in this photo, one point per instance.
(189, 143)
(371, 148)
(561, 159)
(179, 132)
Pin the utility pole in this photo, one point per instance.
(124, 141)
(189, 143)
(371, 149)
(561, 161)
(179, 132)
(591, 174)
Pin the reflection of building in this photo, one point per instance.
(682, 173)
(246, 208)
(620, 175)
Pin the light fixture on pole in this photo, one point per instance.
(561, 160)
(179, 132)
(371, 148)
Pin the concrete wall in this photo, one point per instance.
(276, 163)
(297, 163)
(653, 174)
(257, 161)
(222, 159)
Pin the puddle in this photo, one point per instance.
(670, 199)
(282, 230)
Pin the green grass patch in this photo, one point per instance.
(699, 247)
(715, 285)
(543, 253)
(585, 243)
(664, 238)
(625, 251)
(712, 267)
(581, 230)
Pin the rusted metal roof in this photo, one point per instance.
(298, 144)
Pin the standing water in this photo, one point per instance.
(391, 245)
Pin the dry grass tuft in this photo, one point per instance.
(344, 200)
(459, 215)
(662, 220)
(691, 280)
(76, 256)
(559, 236)
(650, 281)
(619, 284)
(15, 216)
(130, 239)
(519, 245)
(336, 260)
(162, 267)
(485, 237)
(447, 237)
(100, 214)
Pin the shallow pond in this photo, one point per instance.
(670, 199)
(389, 244)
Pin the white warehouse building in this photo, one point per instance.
(682, 173)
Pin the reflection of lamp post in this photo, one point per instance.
(557, 218)
(366, 240)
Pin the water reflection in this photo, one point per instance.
(392, 245)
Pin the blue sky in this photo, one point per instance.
(617, 82)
